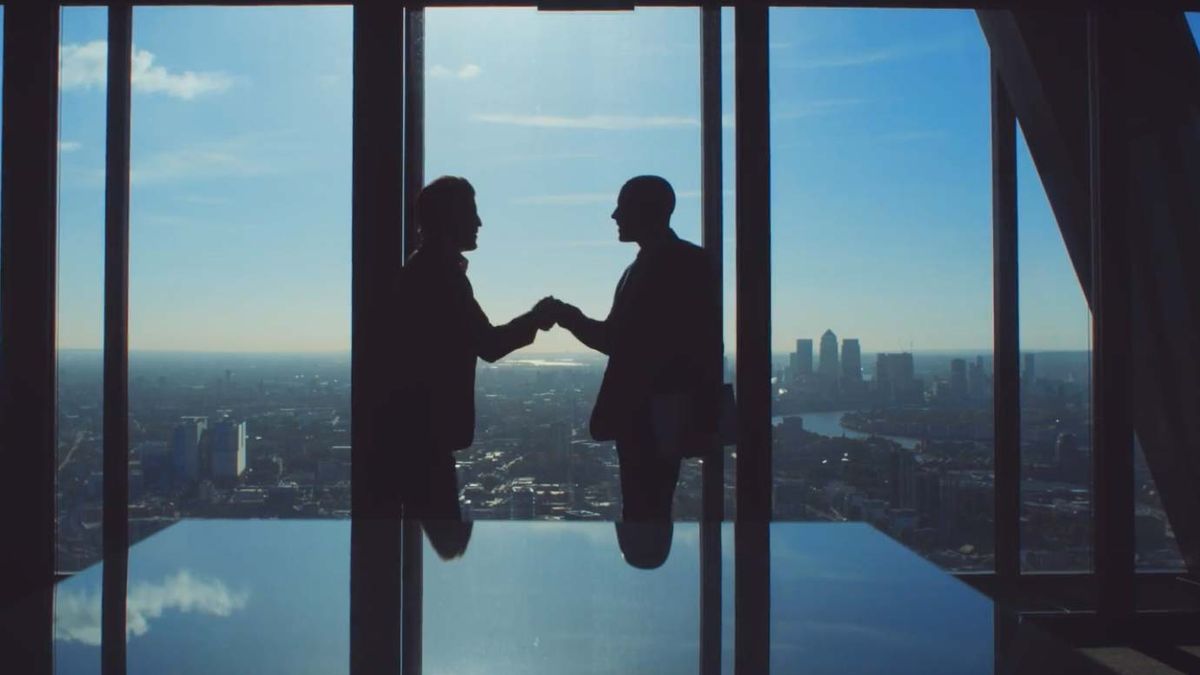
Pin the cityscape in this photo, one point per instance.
(900, 440)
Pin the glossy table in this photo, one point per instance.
(270, 596)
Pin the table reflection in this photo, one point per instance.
(252, 596)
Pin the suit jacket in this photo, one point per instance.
(662, 336)
(442, 331)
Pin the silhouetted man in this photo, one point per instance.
(443, 331)
(663, 343)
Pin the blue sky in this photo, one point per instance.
(240, 206)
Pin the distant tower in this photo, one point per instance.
(185, 447)
(803, 358)
(829, 356)
(976, 379)
(1030, 375)
(894, 375)
(958, 378)
(228, 447)
(851, 360)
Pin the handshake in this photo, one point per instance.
(550, 311)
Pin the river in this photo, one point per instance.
(830, 424)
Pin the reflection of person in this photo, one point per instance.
(661, 337)
(443, 331)
(645, 545)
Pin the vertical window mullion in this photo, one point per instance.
(712, 237)
(378, 206)
(28, 271)
(412, 568)
(116, 339)
(1112, 423)
(1006, 357)
(752, 587)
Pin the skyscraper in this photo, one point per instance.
(958, 378)
(894, 375)
(829, 356)
(851, 360)
(185, 447)
(976, 379)
(228, 445)
(802, 360)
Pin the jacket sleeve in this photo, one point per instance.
(591, 332)
(493, 343)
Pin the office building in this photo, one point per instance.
(851, 361)
(228, 449)
(802, 358)
(829, 368)
(186, 446)
(958, 378)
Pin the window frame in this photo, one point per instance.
(380, 226)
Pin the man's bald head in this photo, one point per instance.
(644, 207)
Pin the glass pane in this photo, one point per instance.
(881, 275)
(1156, 548)
(240, 264)
(1056, 385)
(83, 54)
(547, 115)
(729, 237)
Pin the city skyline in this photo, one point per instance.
(240, 204)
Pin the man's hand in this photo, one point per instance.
(545, 312)
(567, 315)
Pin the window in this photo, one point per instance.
(881, 275)
(548, 114)
(81, 172)
(239, 323)
(1056, 385)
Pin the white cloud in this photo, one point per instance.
(869, 57)
(69, 146)
(236, 157)
(865, 58)
(84, 66)
(77, 614)
(595, 122)
(468, 72)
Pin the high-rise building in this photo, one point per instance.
(958, 378)
(851, 360)
(829, 356)
(802, 360)
(228, 448)
(185, 448)
(894, 375)
(976, 379)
